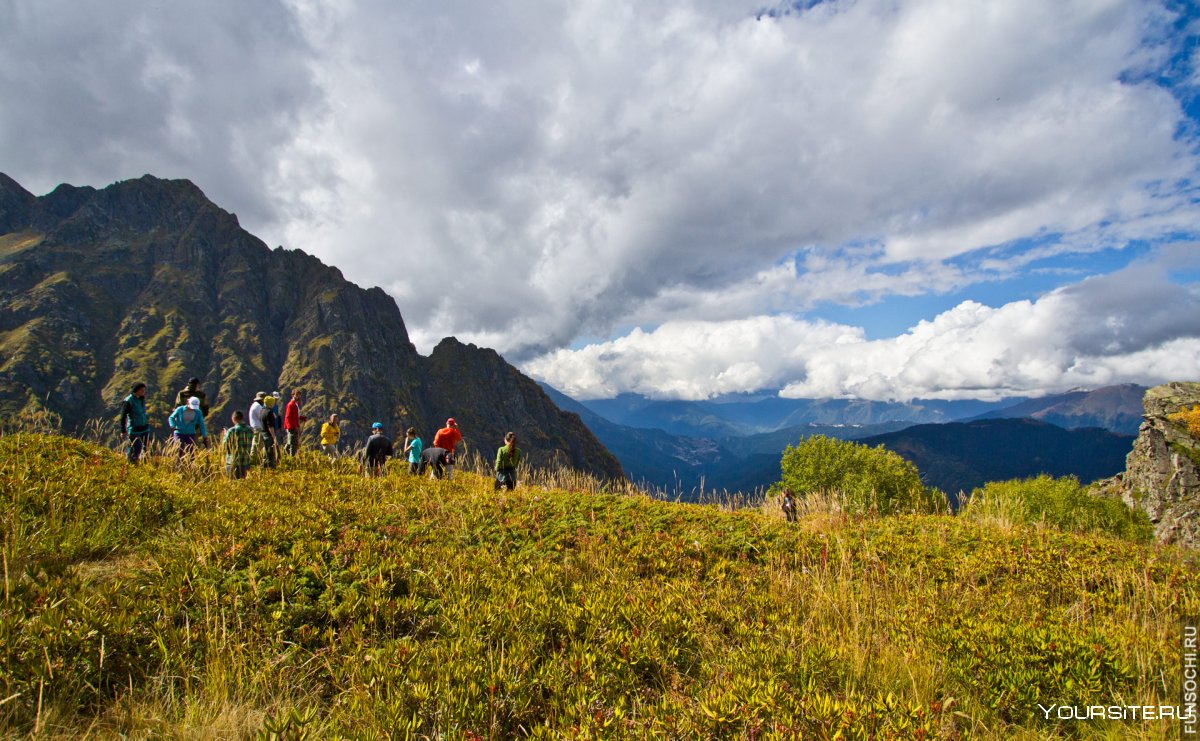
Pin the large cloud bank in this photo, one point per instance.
(1136, 325)
(526, 174)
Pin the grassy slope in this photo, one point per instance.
(148, 601)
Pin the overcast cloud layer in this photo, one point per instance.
(690, 182)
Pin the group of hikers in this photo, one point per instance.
(254, 437)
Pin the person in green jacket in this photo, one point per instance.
(236, 444)
(508, 457)
(134, 423)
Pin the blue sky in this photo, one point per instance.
(875, 198)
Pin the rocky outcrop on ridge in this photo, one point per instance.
(1162, 473)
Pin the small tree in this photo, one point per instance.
(862, 478)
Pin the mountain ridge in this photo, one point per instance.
(148, 280)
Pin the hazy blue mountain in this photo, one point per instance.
(736, 417)
(775, 442)
(676, 465)
(1114, 408)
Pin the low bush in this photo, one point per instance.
(1061, 503)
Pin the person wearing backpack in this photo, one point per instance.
(237, 444)
(134, 423)
(188, 424)
(187, 392)
(268, 440)
(378, 449)
(264, 440)
(447, 439)
(508, 457)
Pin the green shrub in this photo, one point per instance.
(1188, 418)
(1059, 503)
(863, 479)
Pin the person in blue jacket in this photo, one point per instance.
(188, 424)
(134, 423)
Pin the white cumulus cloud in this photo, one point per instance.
(1136, 325)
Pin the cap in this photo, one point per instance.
(450, 422)
(377, 426)
(194, 402)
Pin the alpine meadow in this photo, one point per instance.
(309, 602)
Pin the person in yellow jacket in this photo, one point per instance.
(331, 431)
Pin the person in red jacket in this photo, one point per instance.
(446, 438)
(291, 423)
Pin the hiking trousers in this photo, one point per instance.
(264, 445)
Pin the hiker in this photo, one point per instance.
(378, 450)
(237, 444)
(264, 436)
(270, 418)
(435, 458)
(188, 424)
(292, 419)
(277, 428)
(446, 439)
(134, 423)
(788, 503)
(331, 431)
(192, 390)
(412, 448)
(508, 457)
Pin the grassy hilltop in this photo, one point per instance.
(152, 601)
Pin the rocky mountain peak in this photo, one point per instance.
(147, 280)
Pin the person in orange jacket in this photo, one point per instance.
(446, 438)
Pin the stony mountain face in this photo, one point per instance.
(1115, 408)
(148, 280)
(1162, 472)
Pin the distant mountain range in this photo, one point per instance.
(960, 456)
(148, 280)
(731, 416)
(734, 444)
(1115, 408)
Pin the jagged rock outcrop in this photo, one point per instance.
(1162, 473)
(149, 280)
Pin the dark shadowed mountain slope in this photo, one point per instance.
(1115, 408)
(960, 456)
(148, 280)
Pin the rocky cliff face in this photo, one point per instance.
(148, 280)
(1162, 473)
